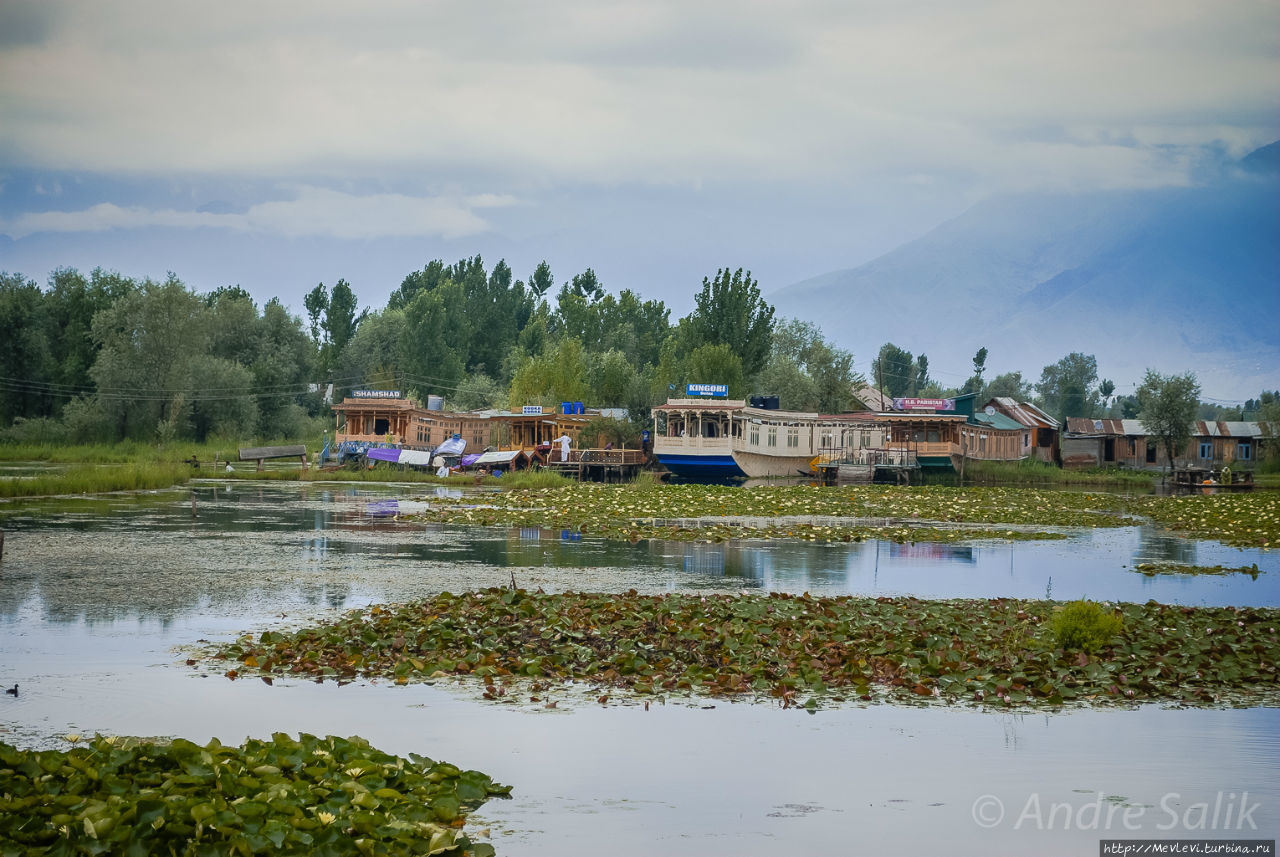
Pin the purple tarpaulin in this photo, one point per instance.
(468, 460)
(381, 454)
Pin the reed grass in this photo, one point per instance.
(530, 480)
(136, 452)
(1040, 473)
(96, 479)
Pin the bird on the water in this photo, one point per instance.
(12, 691)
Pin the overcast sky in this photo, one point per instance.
(280, 144)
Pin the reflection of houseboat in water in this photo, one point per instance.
(726, 439)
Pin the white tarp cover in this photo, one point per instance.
(503, 457)
(415, 456)
(452, 446)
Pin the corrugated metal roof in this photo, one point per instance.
(1025, 413)
(1222, 428)
(1083, 426)
(997, 421)
(873, 398)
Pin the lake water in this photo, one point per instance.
(97, 597)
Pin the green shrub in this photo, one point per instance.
(40, 430)
(1084, 625)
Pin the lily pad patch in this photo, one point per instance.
(797, 650)
(313, 796)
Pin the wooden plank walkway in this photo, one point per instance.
(262, 453)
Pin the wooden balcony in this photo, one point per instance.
(690, 445)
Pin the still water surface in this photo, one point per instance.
(96, 594)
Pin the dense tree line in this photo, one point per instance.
(104, 357)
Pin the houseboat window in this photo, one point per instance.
(982, 443)
(754, 435)
(1133, 446)
(1151, 453)
(866, 439)
(710, 429)
(1244, 451)
(827, 440)
(773, 436)
(793, 437)
(1206, 449)
(1026, 439)
(933, 436)
(918, 435)
(381, 426)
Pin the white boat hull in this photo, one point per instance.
(756, 465)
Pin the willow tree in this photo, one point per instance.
(1168, 407)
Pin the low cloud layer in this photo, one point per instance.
(639, 92)
(313, 212)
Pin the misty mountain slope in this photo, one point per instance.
(1173, 279)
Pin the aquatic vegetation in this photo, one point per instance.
(1150, 569)
(794, 649)
(309, 796)
(1084, 626)
(1248, 519)
(717, 513)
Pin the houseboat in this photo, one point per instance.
(718, 439)
(728, 439)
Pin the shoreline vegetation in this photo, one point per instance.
(648, 508)
(796, 650)
(282, 796)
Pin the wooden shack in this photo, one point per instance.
(375, 416)
(1043, 437)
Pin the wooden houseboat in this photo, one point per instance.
(703, 439)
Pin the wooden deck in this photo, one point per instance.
(598, 465)
(1202, 479)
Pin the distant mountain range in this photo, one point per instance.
(1173, 279)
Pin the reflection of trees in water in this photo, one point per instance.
(144, 557)
(792, 565)
(15, 591)
(1156, 545)
(159, 578)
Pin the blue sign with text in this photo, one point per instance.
(715, 391)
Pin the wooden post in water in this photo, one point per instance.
(193, 505)
(1, 544)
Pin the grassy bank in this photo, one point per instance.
(1039, 473)
(309, 796)
(795, 649)
(135, 452)
(96, 479)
